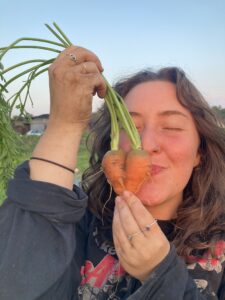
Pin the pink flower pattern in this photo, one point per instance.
(207, 261)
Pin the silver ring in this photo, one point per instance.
(148, 226)
(73, 57)
(130, 236)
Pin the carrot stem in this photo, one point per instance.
(62, 34)
(32, 47)
(114, 145)
(132, 125)
(29, 39)
(26, 71)
(16, 95)
(125, 118)
(117, 109)
(56, 34)
(21, 64)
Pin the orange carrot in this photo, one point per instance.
(137, 169)
(113, 165)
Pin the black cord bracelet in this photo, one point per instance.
(52, 162)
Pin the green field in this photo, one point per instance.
(29, 143)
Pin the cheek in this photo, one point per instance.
(184, 157)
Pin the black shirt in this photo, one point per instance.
(50, 249)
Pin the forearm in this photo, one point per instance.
(60, 143)
(71, 94)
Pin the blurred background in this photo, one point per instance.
(127, 36)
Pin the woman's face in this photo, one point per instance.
(169, 134)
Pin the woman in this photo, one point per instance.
(166, 242)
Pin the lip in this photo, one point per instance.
(156, 169)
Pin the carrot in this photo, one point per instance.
(113, 165)
(137, 169)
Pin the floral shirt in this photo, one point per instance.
(51, 249)
(106, 279)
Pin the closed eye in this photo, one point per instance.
(173, 128)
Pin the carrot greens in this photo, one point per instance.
(119, 114)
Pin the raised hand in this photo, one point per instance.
(74, 77)
(139, 242)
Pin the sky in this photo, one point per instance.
(127, 36)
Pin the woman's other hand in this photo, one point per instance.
(74, 77)
(140, 247)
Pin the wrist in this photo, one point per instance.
(65, 127)
(59, 144)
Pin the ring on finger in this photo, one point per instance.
(130, 236)
(148, 226)
(73, 57)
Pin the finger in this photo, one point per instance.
(98, 83)
(86, 67)
(142, 216)
(80, 55)
(87, 76)
(124, 257)
(117, 246)
(119, 234)
(129, 224)
(65, 57)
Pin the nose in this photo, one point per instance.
(150, 141)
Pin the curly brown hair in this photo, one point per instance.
(201, 215)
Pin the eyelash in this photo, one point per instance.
(164, 128)
(173, 128)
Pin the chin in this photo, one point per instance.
(148, 199)
(151, 194)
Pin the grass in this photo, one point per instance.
(83, 157)
(29, 143)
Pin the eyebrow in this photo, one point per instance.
(172, 113)
(163, 113)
